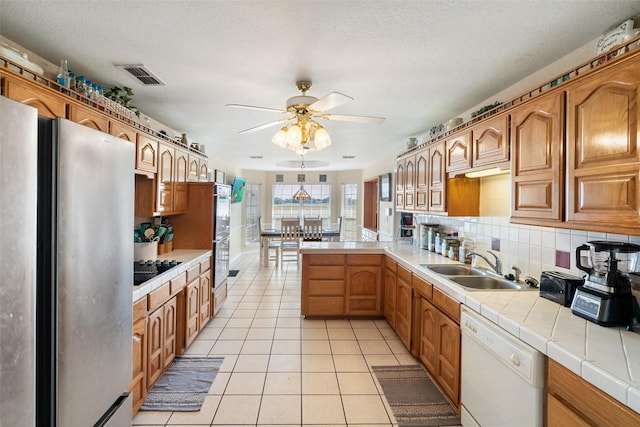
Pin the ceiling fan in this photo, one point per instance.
(305, 133)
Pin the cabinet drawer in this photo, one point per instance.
(326, 287)
(404, 274)
(423, 287)
(140, 308)
(178, 283)
(326, 259)
(390, 264)
(448, 305)
(158, 297)
(325, 306)
(364, 259)
(193, 273)
(328, 272)
(205, 265)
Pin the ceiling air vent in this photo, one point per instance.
(142, 74)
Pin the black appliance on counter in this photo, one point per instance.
(144, 270)
(606, 297)
(559, 287)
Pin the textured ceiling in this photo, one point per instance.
(417, 63)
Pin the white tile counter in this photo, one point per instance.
(188, 258)
(608, 358)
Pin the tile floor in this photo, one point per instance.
(280, 369)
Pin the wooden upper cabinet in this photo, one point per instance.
(164, 180)
(400, 184)
(48, 103)
(537, 153)
(458, 151)
(204, 170)
(422, 180)
(180, 181)
(146, 154)
(491, 141)
(437, 178)
(409, 182)
(194, 168)
(123, 131)
(89, 117)
(602, 148)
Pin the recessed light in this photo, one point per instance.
(255, 157)
(348, 157)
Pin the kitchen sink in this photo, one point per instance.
(475, 279)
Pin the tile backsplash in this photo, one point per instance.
(531, 248)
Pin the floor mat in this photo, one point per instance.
(184, 384)
(413, 397)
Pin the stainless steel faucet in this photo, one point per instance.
(517, 271)
(497, 267)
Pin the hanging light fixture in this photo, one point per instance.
(301, 194)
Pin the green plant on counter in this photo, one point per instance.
(123, 96)
(485, 109)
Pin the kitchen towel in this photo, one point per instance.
(184, 384)
(413, 397)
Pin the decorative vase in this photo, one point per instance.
(184, 139)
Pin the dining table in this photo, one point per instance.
(329, 234)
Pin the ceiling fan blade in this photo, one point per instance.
(334, 99)
(264, 126)
(349, 118)
(253, 107)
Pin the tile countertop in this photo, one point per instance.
(608, 358)
(187, 257)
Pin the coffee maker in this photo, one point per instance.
(606, 297)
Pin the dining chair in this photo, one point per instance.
(289, 240)
(312, 229)
(268, 245)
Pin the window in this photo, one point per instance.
(252, 213)
(349, 211)
(284, 205)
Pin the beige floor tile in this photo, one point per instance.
(238, 409)
(322, 409)
(287, 333)
(364, 409)
(388, 334)
(244, 313)
(338, 324)
(226, 347)
(316, 347)
(252, 363)
(280, 410)
(228, 363)
(233, 333)
(407, 359)
(350, 363)
(345, 347)
(238, 323)
(285, 363)
(151, 418)
(265, 312)
(397, 346)
(319, 383)
(363, 324)
(219, 383)
(286, 347)
(289, 313)
(199, 348)
(381, 360)
(260, 333)
(374, 347)
(314, 323)
(288, 322)
(209, 333)
(256, 347)
(314, 334)
(290, 306)
(245, 383)
(283, 383)
(317, 363)
(356, 383)
(368, 334)
(203, 416)
(264, 322)
(341, 334)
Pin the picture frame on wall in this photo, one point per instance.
(385, 187)
(219, 177)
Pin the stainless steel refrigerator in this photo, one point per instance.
(66, 211)
(222, 214)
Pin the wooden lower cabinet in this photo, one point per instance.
(573, 402)
(170, 323)
(205, 295)
(155, 333)
(404, 305)
(192, 312)
(138, 386)
(390, 290)
(364, 285)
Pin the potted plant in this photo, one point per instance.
(123, 96)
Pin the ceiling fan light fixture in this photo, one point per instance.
(321, 138)
(281, 138)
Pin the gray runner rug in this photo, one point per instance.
(184, 385)
(414, 399)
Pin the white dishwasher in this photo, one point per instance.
(502, 377)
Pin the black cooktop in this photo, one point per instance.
(147, 270)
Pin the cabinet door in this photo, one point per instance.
(138, 387)
(180, 181)
(404, 304)
(458, 152)
(155, 352)
(429, 336)
(87, 116)
(48, 102)
(194, 168)
(422, 180)
(537, 153)
(558, 414)
(146, 154)
(170, 324)
(390, 291)
(364, 290)
(205, 298)
(491, 141)
(164, 180)
(437, 178)
(123, 131)
(448, 373)
(603, 118)
(192, 312)
(409, 182)
(204, 170)
(400, 184)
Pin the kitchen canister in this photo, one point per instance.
(427, 235)
(147, 251)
